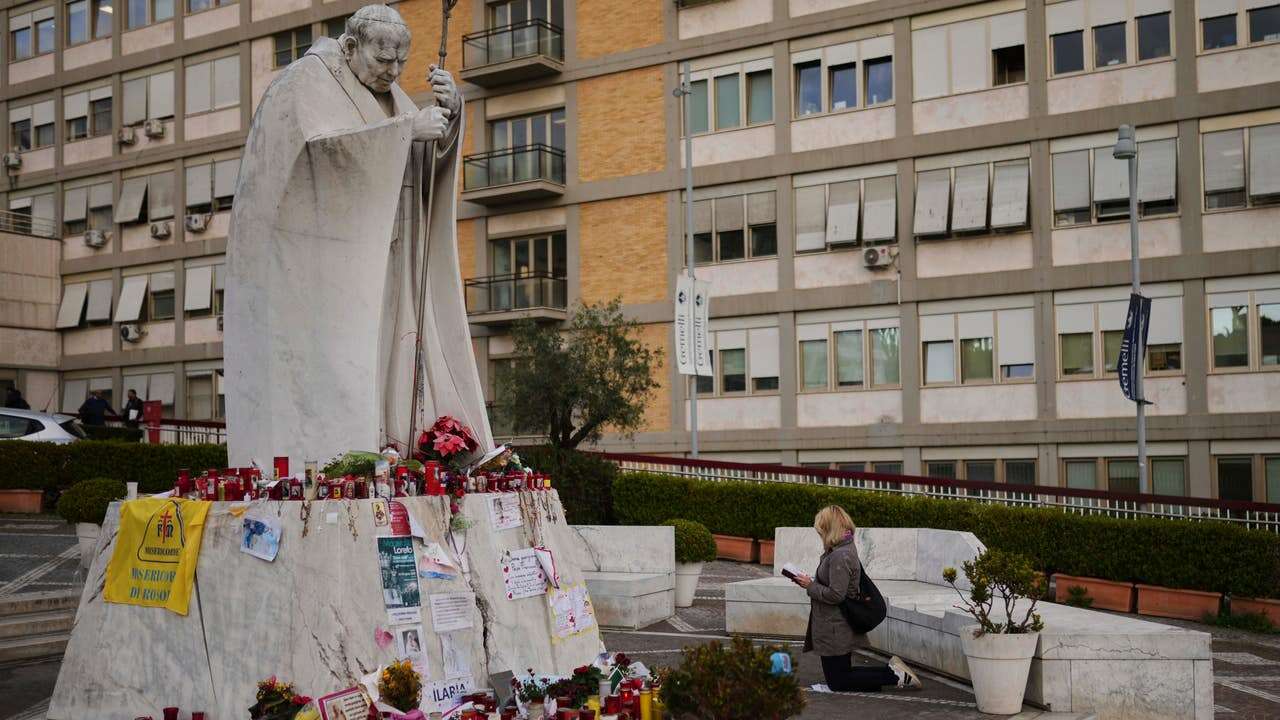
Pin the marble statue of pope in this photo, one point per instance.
(336, 223)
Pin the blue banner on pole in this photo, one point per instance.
(1133, 346)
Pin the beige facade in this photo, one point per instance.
(915, 233)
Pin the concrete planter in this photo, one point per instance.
(687, 583)
(87, 533)
(999, 666)
(1106, 594)
(729, 547)
(20, 501)
(1259, 606)
(1170, 603)
(766, 552)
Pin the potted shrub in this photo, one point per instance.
(85, 505)
(694, 546)
(734, 682)
(999, 649)
(533, 693)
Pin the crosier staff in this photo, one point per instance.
(421, 309)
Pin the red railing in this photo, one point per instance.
(1260, 516)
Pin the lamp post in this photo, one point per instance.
(1126, 148)
(683, 92)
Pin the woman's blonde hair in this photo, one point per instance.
(832, 524)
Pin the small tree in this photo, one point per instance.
(571, 383)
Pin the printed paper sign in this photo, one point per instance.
(454, 652)
(409, 639)
(522, 574)
(399, 519)
(504, 511)
(445, 696)
(451, 611)
(399, 580)
(349, 704)
(260, 536)
(436, 564)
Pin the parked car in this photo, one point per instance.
(38, 426)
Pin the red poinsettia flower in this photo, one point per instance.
(447, 423)
(449, 444)
(424, 440)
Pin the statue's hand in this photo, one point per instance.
(430, 123)
(445, 89)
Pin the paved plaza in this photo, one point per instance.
(38, 554)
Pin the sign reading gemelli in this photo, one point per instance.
(692, 302)
(1132, 347)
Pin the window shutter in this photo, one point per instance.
(971, 198)
(132, 292)
(19, 22)
(199, 288)
(729, 213)
(160, 91)
(160, 196)
(199, 87)
(226, 82)
(1071, 180)
(74, 204)
(933, 195)
(731, 340)
(1074, 318)
(1008, 30)
(1264, 160)
(1217, 8)
(810, 218)
(1110, 176)
(842, 213)
(763, 349)
(42, 206)
(1157, 170)
(73, 394)
(968, 56)
(762, 208)
(136, 383)
(100, 196)
(75, 106)
(937, 327)
(1064, 17)
(880, 211)
(99, 301)
(1009, 194)
(44, 13)
(100, 93)
(162, 388)
(161, 281)
(976, 324)
(1224, 161)
(129, 209)
(224, 178)
(928, 53)
(73, 297)
(1166, 321)
(199, 184)
(135, 101)
(1016, 337)
(702, 216)
(1111, 315)
(19, 113)
(220, 277)
(42, 113)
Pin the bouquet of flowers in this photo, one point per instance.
(277, 701)
(584, 682)
(533, 690)
(447, 441)
(400, 686)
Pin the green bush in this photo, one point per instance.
(1151, 551)
(584, 482)
(694, 543)
(734, 682)
(118, 434)
(53, 468)
(87, 500)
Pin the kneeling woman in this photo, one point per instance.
(837, 578)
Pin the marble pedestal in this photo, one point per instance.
(630, 572)
(1116, 666)
(310, 616)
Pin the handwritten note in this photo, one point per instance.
(522, 574)
(504, 511)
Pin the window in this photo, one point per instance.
(843, 84)
(884, 357)
(733, 371)
(944, 470)
(1082, 474)
(1009, 64)
(195, 6)
(100, 116)
(291, 45)
(205, 396)
(1168, 476)
(1068, 52)
(1264, 24)
(44, 36)
(1164, 357)
(1111, 340)
(844, 213)
(939, 363)
(1086, 329)
(1235, 478)
(813, 364)
(532, 270)
(145, 198)
(1077, 353)
(204, 290)
(1269, 333)
(85, 303)
(88, 19)
(808, 88)
(213, 85)
(1234, 317)
(20, 47)
(146, 12)
(879, 81)
(759, 97)
(849, 358)
(20, 135)
(334, 27)
(987, 197)
(1218, 32)
(87, 208)
(1122, 476)
(976, 360)
(87, 113)
(728, 110)
(1153, 37)
(1272, 467)
(31, 127)
(149, 97)
(978, 343)
(725, 96)
(846, 366)
(1082, 195)
(735, 228)
(1232, 182)
(1230, 328)
(697, 107)
(1020, 472)
(1109, 45)
(211, 186)
(160, 297)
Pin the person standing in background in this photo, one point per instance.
(13, 399)
(133, 409)
(95, 408)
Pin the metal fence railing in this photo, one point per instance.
(513, 165)
(500, 293)
(180, 432)
(511, 42)
(1258, 516)
(26, 224)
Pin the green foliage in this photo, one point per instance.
(118, 434)
(1150, 551)
(87, 500)
(694, 543)
(1249, 622)
(1078, 596)
(50, 467)
(715, 682)
(571, 383)
(355, 462)
(584, 482)
(994, 577)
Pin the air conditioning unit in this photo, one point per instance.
(219, 323)
(161, 230)
(13, 160)
(96, 238)
(198, 222)
(878, 257)
(131, 332)
(127, 136)
(153, 129)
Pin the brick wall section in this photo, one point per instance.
(467, 248)
(623, 249)
(613, 26)
(621, 124)
(423, 18)
(657, 412)
(475, 124)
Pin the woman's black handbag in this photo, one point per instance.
(866, 610)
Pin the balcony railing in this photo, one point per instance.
(23, 224)
(505, 293)
(512, 42)
(509, 166)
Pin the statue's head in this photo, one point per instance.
(376, 46)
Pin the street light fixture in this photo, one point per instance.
(1126, 148)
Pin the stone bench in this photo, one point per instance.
(1087, 661)
(630, 573)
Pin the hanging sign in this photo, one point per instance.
(701, 321)
(157, 546)
(684, 325)
(1133, 346)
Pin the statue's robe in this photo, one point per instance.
(328, 235)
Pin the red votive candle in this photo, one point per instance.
(197, 716)
(612, 705)
(171, 713)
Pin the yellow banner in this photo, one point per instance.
(157, 546)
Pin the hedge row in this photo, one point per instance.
(1212, 556)
(53, 468)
